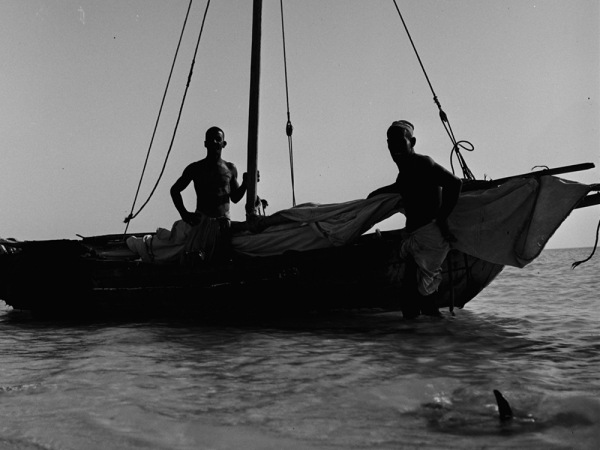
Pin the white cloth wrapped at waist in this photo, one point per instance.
(429, 249)
(170, 246)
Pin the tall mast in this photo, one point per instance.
(253, 108)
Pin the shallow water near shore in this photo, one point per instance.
(338, 381)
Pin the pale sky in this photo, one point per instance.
(81, 83)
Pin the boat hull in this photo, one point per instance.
(78, 277)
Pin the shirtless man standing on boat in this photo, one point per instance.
(216, 184)
(429, 194)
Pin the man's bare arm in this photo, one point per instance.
(451, 187)
(450, 194)
(237, 191)
(391, 189)
(182, 183)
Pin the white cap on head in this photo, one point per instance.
(404, 124)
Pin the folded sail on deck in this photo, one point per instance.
(509, 224)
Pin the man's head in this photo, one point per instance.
(400, 138)
(214, 140)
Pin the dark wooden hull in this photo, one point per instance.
(81, 277)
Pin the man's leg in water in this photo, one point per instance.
(413, 302)
(428, 304)
(410, 297)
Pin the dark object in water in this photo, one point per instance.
(504, 410)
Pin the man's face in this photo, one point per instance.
(400, 142)
(215, 141)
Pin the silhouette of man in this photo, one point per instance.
(429, 194)
(216, 184)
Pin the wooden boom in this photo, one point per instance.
(590, 200)
(486, 184)
(555, 171)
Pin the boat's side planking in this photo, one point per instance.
(56, 276)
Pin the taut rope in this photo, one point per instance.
(132, 216)
(289, 129)
(456, 145)
(576, 263)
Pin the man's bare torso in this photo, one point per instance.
(212, 183)
(420, 186)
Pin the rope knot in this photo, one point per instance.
(443, 116)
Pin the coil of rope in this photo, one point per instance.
(456, 145)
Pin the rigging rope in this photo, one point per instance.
(456, 146)
(289, 129)
(576, 263)
(596, 187)
(132, 216)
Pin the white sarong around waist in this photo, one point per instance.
(429, 249)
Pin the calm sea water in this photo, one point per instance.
(345, 381)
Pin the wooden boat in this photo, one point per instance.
(365, 274)
(100, 274)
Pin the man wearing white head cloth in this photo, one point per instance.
(429, 194)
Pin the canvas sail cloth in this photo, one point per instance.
(509, 224)
(172, 246)
(317, 226)
(512, 223)
(312, 227)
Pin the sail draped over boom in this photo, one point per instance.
(512, 223)
(316, 226)
(311, 227)
(508, 224)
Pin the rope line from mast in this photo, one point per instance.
(132, 216)
(456, 145)
(289, 129)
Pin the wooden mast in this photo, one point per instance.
(253, 109)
